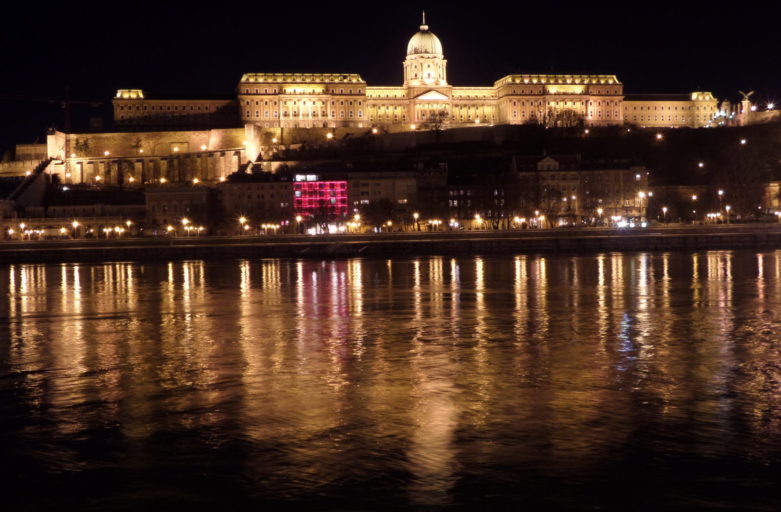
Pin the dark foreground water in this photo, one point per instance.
(615, 381)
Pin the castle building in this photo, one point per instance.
(425, 99)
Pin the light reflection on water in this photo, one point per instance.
(423, 382)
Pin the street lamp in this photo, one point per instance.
(728, 208)
(416, 216)
(664, 214)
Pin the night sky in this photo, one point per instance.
(202, 50)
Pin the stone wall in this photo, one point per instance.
(119, 144)
(17, 168)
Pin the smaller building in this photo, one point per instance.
(320, 200)
(398, 188)
(695, 110)
(260, 196)
(169, 204)
(567, 190)
(132, 110)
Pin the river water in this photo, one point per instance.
(638, 381)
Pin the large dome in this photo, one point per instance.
(424, 42)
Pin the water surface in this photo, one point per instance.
(615, 381)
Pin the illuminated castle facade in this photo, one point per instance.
(425, 100)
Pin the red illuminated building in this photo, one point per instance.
(325, 200)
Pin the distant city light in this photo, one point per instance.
(106, 153)
(743, 141)
(659, 136)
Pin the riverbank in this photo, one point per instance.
(585, 240)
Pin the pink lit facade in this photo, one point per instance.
(320, 199)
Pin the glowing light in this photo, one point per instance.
(659, 136)
(203, 147)
(196, 181)
(721, 192)
(375, 131)
(413, 126)
(176, 149)
(299, 218)
(140, 150)
(274, 140)
(106, 153)
(131, 179)
(771, 106)
(98, 178)
(357, 217)
(222, 179)
(586, 131)
(75, 224)
(416, 215)
(701, 164)
(242, 220)
(743, 141)
(163, 180)
(329, 135)
(599, 211)
(73, 155)
(185, 221)
(169, 228)
(694, 197)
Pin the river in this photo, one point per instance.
(617, 381)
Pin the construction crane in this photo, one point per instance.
(65, 103)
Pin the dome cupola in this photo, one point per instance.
(424, 42)
(425, 65)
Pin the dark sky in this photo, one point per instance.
(193, 49)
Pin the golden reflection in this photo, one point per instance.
(521, 306)
(455, 299)
(434, 417)
(602, 311)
